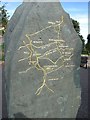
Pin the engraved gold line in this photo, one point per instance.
(47, 27)
(26, 46)
(55, 69)
(49, 88)
(70, 56)
(44, 82)
(50, 60)
(36, 63)
(22, 47)
(26, 70)
(23, 59)
(47, 52)
(43, 29)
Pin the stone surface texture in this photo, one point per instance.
(42, 59)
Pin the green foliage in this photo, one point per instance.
(84, 51)
(88, 44)
(3, 18)
(88, 47)
(77, 29)
(76, 26)
(83, 42)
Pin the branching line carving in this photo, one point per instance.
(34, 56)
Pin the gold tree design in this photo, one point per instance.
(32, 51)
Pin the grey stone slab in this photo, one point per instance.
(42, 63)
(0, 91)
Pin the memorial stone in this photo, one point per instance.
(42, 62)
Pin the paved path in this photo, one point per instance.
(83, 110)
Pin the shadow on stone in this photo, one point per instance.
(19, 115)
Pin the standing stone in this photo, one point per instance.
(42, 59)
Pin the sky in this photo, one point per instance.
(77, 10)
